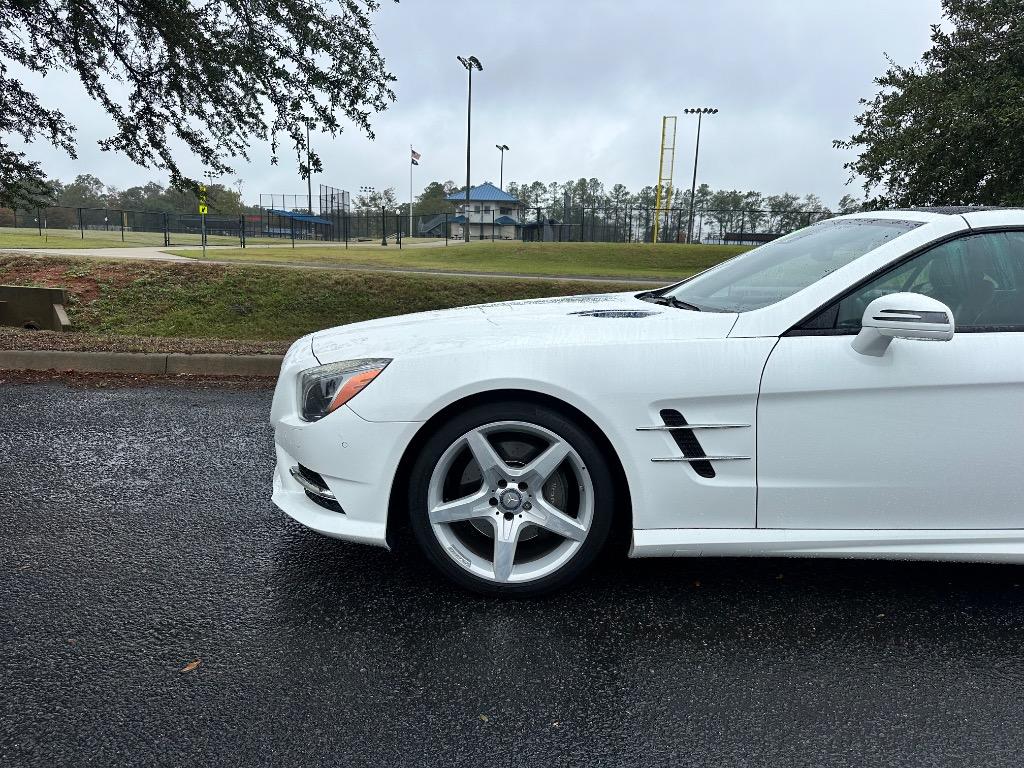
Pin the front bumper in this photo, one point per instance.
(357, 460)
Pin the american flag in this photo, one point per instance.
(415, 156)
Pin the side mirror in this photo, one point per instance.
(902, 316)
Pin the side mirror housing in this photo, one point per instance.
(902, 316)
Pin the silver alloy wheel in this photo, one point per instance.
(516, 502)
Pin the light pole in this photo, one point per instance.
(501, 174)
(470, 64)
(699, 112)
(309, 175)
(210, 176)
(367, 194)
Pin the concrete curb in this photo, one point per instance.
(141, 362)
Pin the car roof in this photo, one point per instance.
(953, 210)
(934, 213)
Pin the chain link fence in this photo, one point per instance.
(630, 224)
(635, 224)
(290, 220)
(111, 226)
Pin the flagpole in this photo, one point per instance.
(410, 190)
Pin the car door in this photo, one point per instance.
(927, 435)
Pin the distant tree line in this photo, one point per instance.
(570, 201)
(726, 210)
(87, 191)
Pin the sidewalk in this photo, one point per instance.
(162, 253)
(146, 253)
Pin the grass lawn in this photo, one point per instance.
(668, 260)
(21, 237)
(72, 238)
(25, 237)
(251, 302)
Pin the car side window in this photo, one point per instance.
(979, 277)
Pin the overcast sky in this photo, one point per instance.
(579, 88)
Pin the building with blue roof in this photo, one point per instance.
(491, 214)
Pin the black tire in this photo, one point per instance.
(595, 463)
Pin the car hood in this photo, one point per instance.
(558, 321)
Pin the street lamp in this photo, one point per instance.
(470, 64)
(501, 177)
(699, 112)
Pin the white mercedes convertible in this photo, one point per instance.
(854, 389)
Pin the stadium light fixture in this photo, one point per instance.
(501, 173)
(699, 112)
(470, 64)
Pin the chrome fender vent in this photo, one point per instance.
(687, 442)
(683, 435)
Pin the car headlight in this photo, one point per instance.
(328, 387)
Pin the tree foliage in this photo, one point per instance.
(373, 202)
(87, 191)
(949, 129)
(588, 203)
(591, 194)
(573, 201)
(433, 198)
(210, 75)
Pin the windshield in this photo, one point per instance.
(782, 267)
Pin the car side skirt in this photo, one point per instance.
(1005, 546)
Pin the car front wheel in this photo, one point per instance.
(512, 498)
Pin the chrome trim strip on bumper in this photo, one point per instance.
(672, 427)
(692, 459)
(316, 490)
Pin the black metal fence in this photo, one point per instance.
(628, 224)
(334, 223)
(636, 224)
(106, 226)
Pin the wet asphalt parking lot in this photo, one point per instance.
(138, 538)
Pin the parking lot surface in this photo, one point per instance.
(157, 610)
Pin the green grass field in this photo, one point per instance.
(21, 237)
(25, 237)
(69, 238)
(139, 298)
(639, 260)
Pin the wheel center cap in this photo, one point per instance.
(510, 499)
